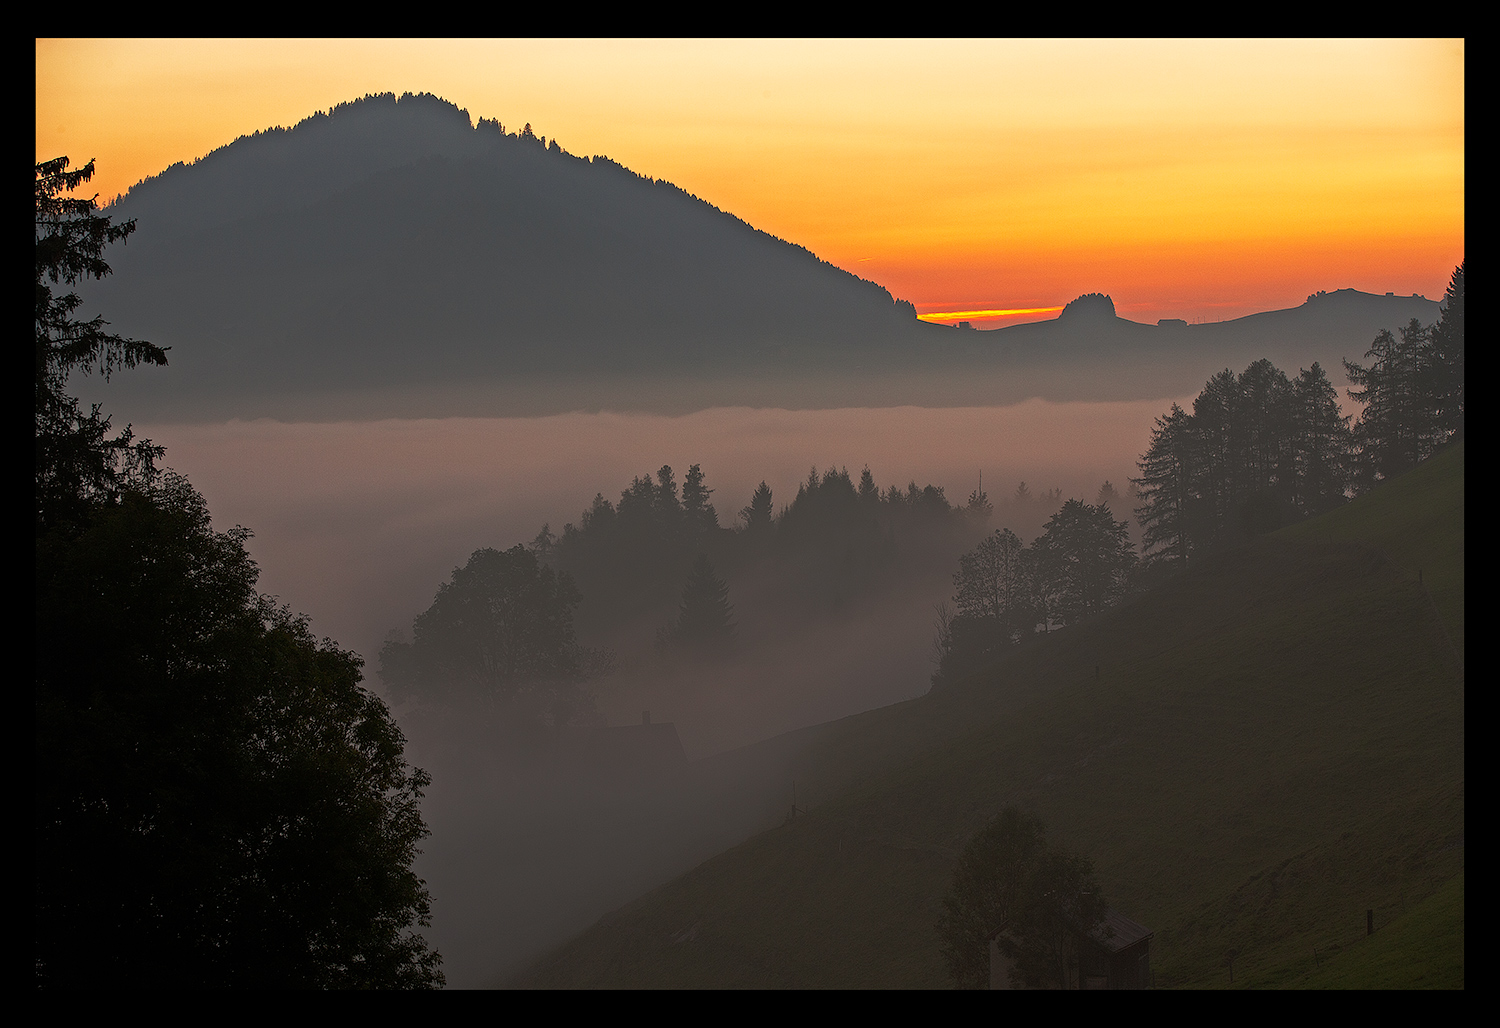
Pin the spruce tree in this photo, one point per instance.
(705, 622)
(1444, 388)
(1166, 492)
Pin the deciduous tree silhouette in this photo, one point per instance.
(502, 629)
(1087, 556)
(219, 803)
(1010, 885)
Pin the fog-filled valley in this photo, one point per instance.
(356, 524)
(654, 535)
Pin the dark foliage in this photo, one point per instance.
(705, 621)
(1445, 386)
(1398, 426)
(1082, 563)
(1036, 900)
(1094, 305)
(1257, 452)
(219, 802)
(1005, 591)
(634, 555)
(502, 629)
(1412, 390)
(832, 542)
(757, 516)
(77, 458)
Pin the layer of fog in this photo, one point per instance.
(357, 523)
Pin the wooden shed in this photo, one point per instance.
(1115, 955)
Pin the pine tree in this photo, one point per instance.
(76, 457)
(1445, 365)
(1323, 444)
(1397, 429)
(757, 516)
(701, 516)
(705, 622)
(1165, 490)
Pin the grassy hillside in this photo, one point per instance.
(1423, 948)
(1254, 755)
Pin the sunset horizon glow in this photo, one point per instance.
(987, 315)
(1193, 179)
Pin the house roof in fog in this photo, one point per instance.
(1118, 932)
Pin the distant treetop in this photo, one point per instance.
(1098, 305)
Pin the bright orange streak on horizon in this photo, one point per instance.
(964, 315)
(1181, 177)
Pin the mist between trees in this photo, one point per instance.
(660, 588)
(654, 578)
(1259, 451)
(219, 800)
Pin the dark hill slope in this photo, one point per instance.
(390, 244)
(389, 258)
(1253, 755)
(1088, 356)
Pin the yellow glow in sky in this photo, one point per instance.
(1187, 178)
(986, 314)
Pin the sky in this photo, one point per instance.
(1194, 179)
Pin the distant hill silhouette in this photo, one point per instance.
(390, 258)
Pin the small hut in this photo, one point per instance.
(1114, 955)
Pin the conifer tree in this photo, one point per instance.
(1322, 443)
(757, 516)
(700, 514)
(1397, 428)
(219, 802)
(1166, 491)
(1445, 366)
(76, 457)
(705, 621)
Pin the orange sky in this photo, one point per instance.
(1197, 179)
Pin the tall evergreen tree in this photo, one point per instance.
(1265, 416)
(1445, 366)
(219, 802)
(1397, 429)
(700, 514)
(757, 516)
(1218, 432)
(705, 621)
(1166, 490)
(77, 459)
(668, 506)
(1323, 444)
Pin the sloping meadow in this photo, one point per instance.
(1254, 755)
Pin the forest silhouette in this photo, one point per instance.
(420, 264)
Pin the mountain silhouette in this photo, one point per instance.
(392, 258)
